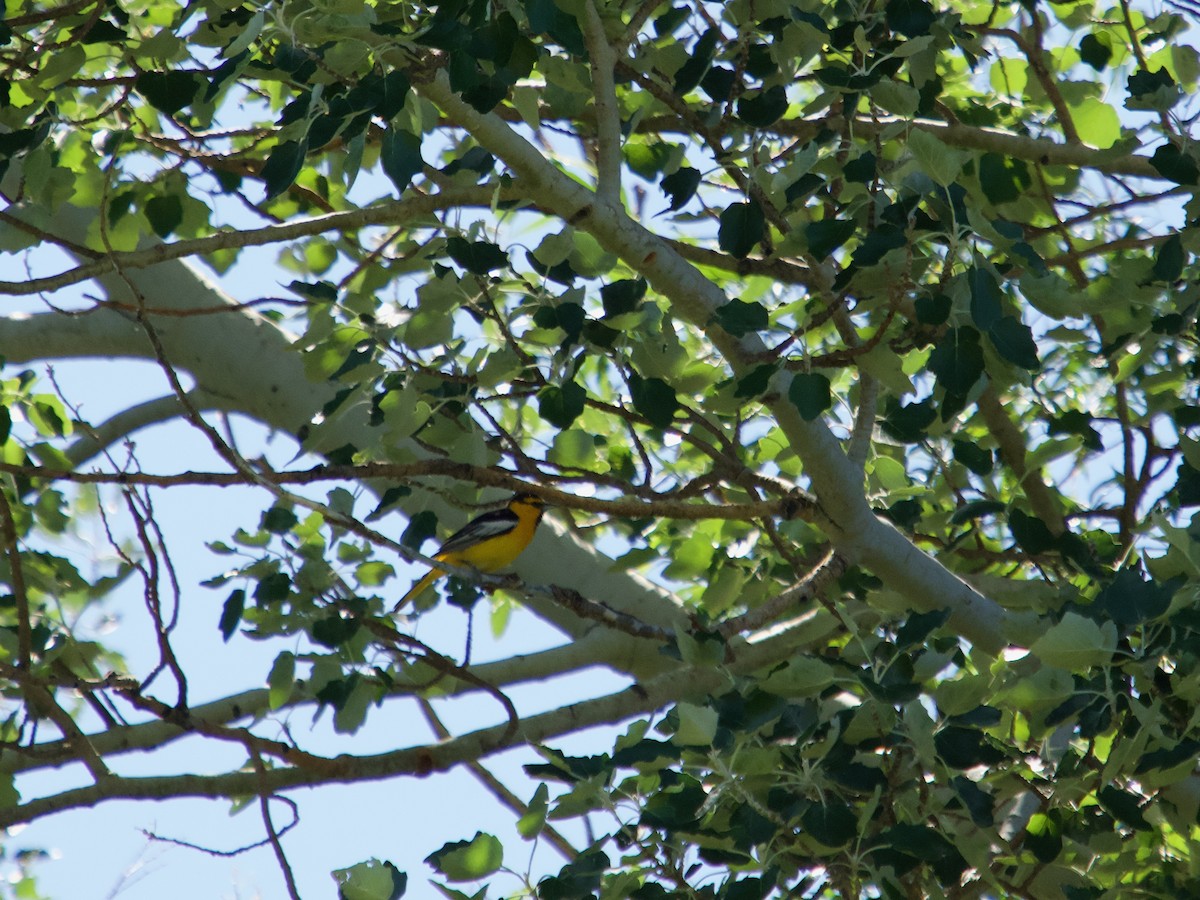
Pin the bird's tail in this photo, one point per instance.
(417, 589)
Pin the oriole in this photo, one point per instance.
(487, 543)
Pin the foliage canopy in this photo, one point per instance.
(868, 329)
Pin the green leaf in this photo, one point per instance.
(647, 159)
(231, 613)
(533, 820)
(477, 257)
(400, 156)
(827, 235)
(742, 226)
(957, 360)
(282, 167)
(979, 803)
(468, 860)
(371, 880)
(1076, 643)
(764, 107)
(809, 392)
(281, 680)
(1013, 340)
(1171, 163)
(1096, 122)
(654, 399)
(940, 162)
(561, 405)
(680, 186)
(740, 318)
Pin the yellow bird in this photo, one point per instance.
(487, 543)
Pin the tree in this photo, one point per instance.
(868, 329)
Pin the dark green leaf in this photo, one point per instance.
(1003, 178)
(282, 167)
(907, 423)
(810, 394)
(272, 589)
(623, 296)
(1074, 421)
(1123, 806)
(861, 169)
(910, 18)
(1043, 836)
(932, 310)
(974, 457)
(560, 406)
(802, 187)
(742, 226)
(231, 613)
(1155, 91)
(1187, 485)
(1171, 163)
(689, 74)
(1169, 261)
(832, 823)
(965, 748)
(1130, 599)
(278, 520)
(567, 316)
(985, 298)
(1168, 757)
(400, 156)
(390, 498)
(827, 235)
(978, 802)
(976, 509)
(919, 626)
(740, 318)
(1095, 49)
(5, 423)
(680, 186)
(957, 360)
(168, 92)
(876, 243)
(335, 630)
(1013, 340)
(421, 527)
(755, 383)
(654, 399)
(763, 109)
(477, 257)
(165, 213)
(1031, 534)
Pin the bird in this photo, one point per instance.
(488, 542)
